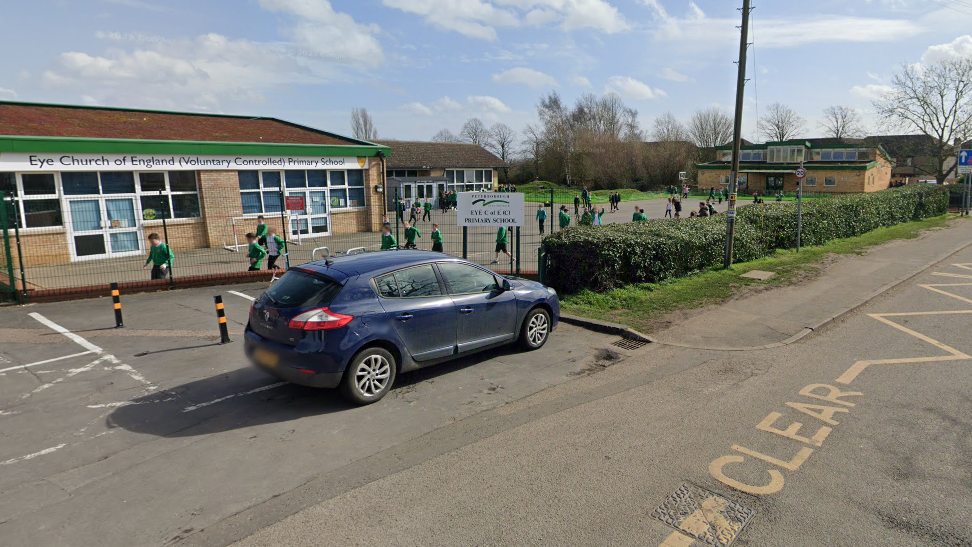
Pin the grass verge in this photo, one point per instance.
(645, 305)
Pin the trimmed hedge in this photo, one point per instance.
(605, 257)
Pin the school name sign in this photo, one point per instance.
(489, 209)
(25, 161)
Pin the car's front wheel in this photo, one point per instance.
(369, 377)
(536, 329)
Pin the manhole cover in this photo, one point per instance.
(624, 343)
(704, 515)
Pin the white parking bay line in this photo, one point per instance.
(34, 455)
(241, 295)
(221, 399)
(73, 337)
(45, 361)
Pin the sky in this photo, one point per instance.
(422, 65)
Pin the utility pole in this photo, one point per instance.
(737, 133)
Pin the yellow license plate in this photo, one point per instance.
(266, 358)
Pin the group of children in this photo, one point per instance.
(412, 233)
(265, 243)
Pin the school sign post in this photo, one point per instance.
(490, 210)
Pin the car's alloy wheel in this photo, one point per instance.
(372, 375)
(369, 376)
(536, 329)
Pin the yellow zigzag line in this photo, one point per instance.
(953, 354)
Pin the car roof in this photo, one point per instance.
(375, 263)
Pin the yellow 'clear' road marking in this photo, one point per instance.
(677, 539)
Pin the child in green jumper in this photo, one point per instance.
(261, 233)
(427, 215)
(255, 252)
(388, 241)
(564, 217)
(502, 238)
(436, 239)
(160, 256)
(411, 232)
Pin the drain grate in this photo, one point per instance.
(625, 343)
(704, 515)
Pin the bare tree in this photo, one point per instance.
(362, 126)
(501, 141)
(533, 144)
(667, 128)
(475, 132)
(781, 123)
(710, 127)
(444, 135)
(934, 100)
(841, 122)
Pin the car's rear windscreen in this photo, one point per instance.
(298, 289)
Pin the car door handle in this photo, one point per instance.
(405, 317)
(465, 310)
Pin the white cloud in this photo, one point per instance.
(211, 70)
(7, 93)
(669, 74)
(870, 92)
(481, 18)
(961, 47)
(488, 104)
(525, 76)
(778, 32)
(580, 81)
(445, 104)
(419, 109)
(630, 88)
(330, 34)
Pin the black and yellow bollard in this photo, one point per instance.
(221, 316)
(116, 302)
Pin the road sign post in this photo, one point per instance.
(964, 166)
(801, 173)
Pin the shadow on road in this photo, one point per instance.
(243, 398)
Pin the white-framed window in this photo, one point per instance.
(724, 180)
(402, 173)
(38, 196)
(725, 155)
(810, 181)
(854, 154)
(830, 181)
(260, 190)
(469, 180)
(785, 154)
(174, 194)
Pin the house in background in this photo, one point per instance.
(837, 167)
(426, 170)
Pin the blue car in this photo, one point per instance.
(356, 322)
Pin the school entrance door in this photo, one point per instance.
(101, 227)
(314, 220)
(774, 184)
(412, 191)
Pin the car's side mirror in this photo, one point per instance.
(505, 286)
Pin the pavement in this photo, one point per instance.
(784, 315)
(855, 436)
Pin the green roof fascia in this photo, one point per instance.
(749, 147)
(797, 142)
(81, 145)
(774, 167)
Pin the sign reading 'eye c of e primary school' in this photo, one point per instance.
(29, 161)
(489, 209)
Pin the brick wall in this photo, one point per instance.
(47, 246)
(219, 200)
(184, 234)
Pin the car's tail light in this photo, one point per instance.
(320, 319)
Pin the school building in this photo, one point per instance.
(92, 182)
(422, 170)
(840, 168)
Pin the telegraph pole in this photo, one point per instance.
(737, 133)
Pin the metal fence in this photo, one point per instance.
(57, 249)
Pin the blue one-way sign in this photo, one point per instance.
(965, 162)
